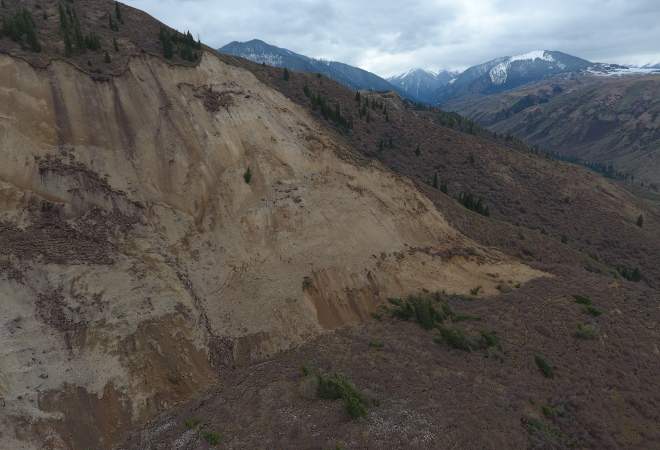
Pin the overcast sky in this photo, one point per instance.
(389, 37)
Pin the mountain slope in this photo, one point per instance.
(557, 217)
(182, 231)
(613, 120)
(209, 223)
(422, 85)
(352, 77)
(508, 72)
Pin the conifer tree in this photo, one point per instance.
(418, 151)
(285, 74)
(115, 44)
(118, 13)
(107, 58)
(640, 221)
(435, 180)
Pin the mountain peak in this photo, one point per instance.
(259, 51)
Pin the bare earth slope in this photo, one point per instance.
(140, 259)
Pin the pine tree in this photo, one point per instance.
(418, 151)
(435, 180)
(357, 96)
(107, 58)
(113, 25)
(285, 74)
(640, 221)
(306, 91)
(166, 42)
(443, 187)
(247, 176)
(68, 47)
(118, 13)
(115, 44)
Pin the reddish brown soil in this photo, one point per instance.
(428, 395)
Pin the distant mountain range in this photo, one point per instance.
(422, 85)
(437, 88)
(352, 77)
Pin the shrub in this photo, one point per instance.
(336, 386)
(376, 344)
(630, 274)
(475, 291)
(545, 435)
(582, 300)
(211, 437)
(420, 309)
(545, 368)
(465, 318)
(592, 310)
(586, 331)
(192, 423)
(247, 176)
(456, 338)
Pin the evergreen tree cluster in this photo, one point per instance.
(184, 45)
(369, 103)
(607, 170)
(75, 41)
(473, 203)
(320, 103)
(21, 28)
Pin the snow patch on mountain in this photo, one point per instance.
(500, 73)
(531, 56)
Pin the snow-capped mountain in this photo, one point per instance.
(262, 52)
(420, 84)
(508, 72)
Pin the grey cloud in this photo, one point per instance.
(391, 36)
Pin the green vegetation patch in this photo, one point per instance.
(582, 300)
(458, 339)
(544, 366)
(337, 386)
(586, 331)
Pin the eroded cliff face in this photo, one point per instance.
(137, 262)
